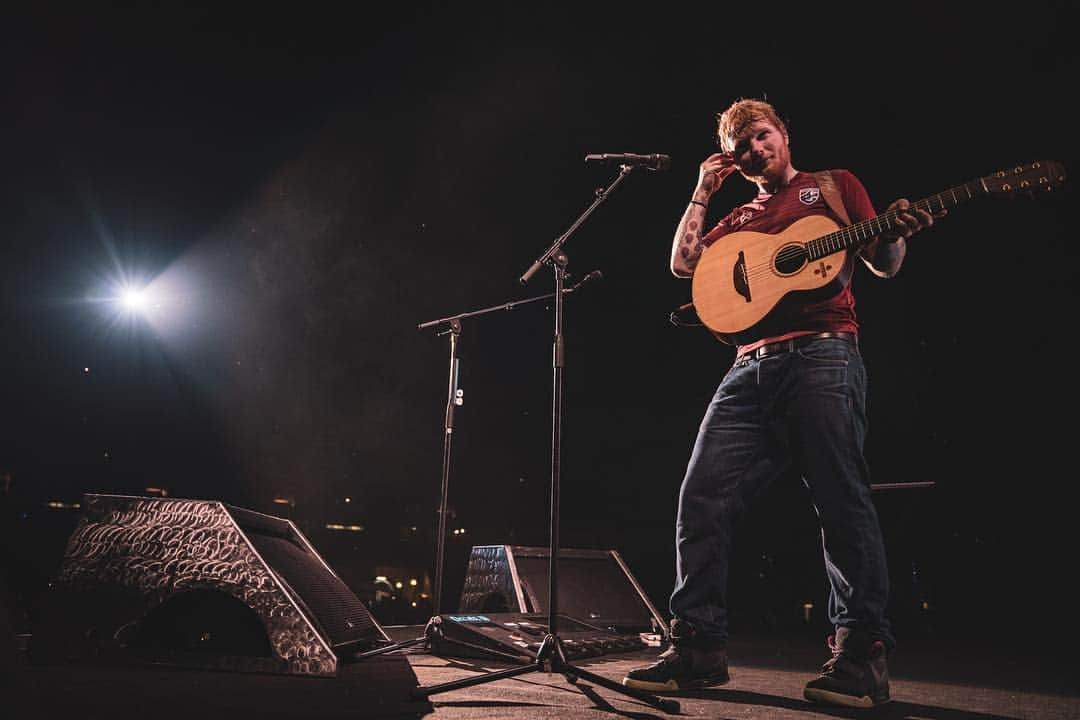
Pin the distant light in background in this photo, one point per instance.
(342, 526)
(59, 505)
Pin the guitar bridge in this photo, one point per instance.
(739, 277)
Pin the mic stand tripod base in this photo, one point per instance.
(550, 658)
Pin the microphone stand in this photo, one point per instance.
(455, 397)
(551, 658)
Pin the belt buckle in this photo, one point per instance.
(780, 346)
(773, 348)
(789, 345)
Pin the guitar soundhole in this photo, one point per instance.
(790, 259)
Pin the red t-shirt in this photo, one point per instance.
(773, 213)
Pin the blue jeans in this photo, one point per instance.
(802, 410)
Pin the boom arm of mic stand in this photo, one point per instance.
(504, 306)
(601, 196)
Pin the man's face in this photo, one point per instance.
(761, 152)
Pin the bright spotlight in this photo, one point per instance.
(133, 299)
(167, 304)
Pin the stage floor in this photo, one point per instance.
(767, 678)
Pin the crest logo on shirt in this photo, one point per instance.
(809, 196)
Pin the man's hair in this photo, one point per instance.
(739, 115)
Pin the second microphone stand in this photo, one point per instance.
(454, 399)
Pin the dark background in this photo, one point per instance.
(310, 183)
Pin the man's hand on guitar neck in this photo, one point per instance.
(909, 220)
(885, 253)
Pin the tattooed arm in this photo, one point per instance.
(687, 247)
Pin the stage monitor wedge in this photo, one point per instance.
(198, 583)
(595, 586)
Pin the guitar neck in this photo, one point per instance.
(860, 232)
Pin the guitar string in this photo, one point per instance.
(765, 269)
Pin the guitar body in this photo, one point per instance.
(744, 275)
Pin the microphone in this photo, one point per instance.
(594, 275)
(651, 162)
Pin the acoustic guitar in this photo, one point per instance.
(742, 277)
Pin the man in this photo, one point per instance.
(794, 399)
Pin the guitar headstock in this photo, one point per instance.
(1030, 179)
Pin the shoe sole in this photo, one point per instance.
(832, 698)
(672, 686)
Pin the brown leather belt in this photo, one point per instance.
(792, 344)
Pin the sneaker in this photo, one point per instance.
(854, 677)
(681, 667)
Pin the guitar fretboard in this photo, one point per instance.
(860, 232)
